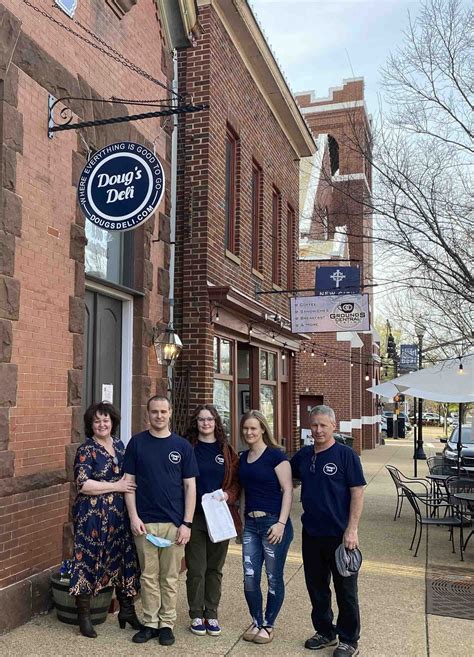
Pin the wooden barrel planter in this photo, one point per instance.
(66, 604)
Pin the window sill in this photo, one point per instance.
(257, 274)
(233, 257)
(277, 287)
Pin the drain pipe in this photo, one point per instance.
(174, 170)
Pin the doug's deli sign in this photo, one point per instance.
(121, 186)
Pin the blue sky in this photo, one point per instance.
(318, 41)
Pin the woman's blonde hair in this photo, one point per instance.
(268, 438)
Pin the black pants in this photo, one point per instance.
(319, 563)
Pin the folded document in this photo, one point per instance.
(220, 525)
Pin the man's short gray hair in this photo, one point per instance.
(323, 410)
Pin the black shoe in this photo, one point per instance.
(166, 636)
(346, 650)
(318, 641)
(84, 616)
(145, 635)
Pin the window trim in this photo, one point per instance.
(230, 191)
(257, 184)
(290, 269)
(276, 237)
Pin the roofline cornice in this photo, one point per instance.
(242, 27)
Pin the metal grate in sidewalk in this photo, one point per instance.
(450, 593)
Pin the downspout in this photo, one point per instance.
(174, 170)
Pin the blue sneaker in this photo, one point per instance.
(197, 627)
(212, 626)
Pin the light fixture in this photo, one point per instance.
(273, 337)
(167, 345)
(367, 377)
(461, 367)
(217, 315)
(352, 364)
(312, 353)
(304, 349)
(283, 355)
(325, 361)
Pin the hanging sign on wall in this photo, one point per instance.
(121, 186)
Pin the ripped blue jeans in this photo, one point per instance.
(255, 550)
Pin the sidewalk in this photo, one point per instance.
(392, 594)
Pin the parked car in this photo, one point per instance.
(450, 451)
(432, 419)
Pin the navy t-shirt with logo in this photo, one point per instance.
(260, 482)
(159, 466)
(325, 493)
(210, 462)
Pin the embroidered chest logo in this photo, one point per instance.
(174, 457)
(219, 459)
(330, 469)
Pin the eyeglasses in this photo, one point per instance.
(206, 419)
(312, 467)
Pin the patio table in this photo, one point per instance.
(469, 498)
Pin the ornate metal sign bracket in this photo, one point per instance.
(66, 115)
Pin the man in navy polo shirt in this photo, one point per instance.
(164, 468)
(332, 490)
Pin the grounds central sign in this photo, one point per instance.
(121, 186)
(322, 314)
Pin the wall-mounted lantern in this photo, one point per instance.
(167, 345)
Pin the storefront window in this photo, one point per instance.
(223, 402)
(268, 386)
(267, 404)
(222, 396)
(108, 255)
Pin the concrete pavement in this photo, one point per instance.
(392, 594)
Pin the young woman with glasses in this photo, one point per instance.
(218, 469)
(265, 476)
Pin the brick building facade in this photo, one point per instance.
(52, 362)
(335, 230)
(237, 229)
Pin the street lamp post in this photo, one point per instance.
(419, 451)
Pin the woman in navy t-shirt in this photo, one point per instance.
(218, 469)
(265, 476)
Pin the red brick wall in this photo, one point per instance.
(343, 386)
(43, 420)
(214, 73)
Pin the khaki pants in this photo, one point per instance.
(160, 571)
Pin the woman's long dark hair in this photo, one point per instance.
(219, 431)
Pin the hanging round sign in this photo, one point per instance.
(121, 186)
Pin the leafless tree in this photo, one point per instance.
(422, 156)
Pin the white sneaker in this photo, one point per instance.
(197, 627)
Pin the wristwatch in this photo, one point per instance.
(187, 524)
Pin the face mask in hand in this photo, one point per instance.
(158, 541)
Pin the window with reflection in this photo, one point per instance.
(223, 381)
(268, 381)
(108, 255)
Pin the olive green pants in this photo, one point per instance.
(205, 561)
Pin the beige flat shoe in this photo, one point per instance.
(264, 639)
(251, 633)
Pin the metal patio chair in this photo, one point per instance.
(399, 479)
(465, 508)
(450, 520)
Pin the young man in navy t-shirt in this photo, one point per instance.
(332, 490)
(164, 468)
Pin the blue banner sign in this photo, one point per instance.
(337, 280)
(121, 186)
(408, 357)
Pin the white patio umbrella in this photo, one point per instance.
(448, 381)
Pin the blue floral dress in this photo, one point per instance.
(104, 551)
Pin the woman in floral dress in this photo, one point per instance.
(104, 551)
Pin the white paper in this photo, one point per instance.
(220, 525)
(108, 392)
